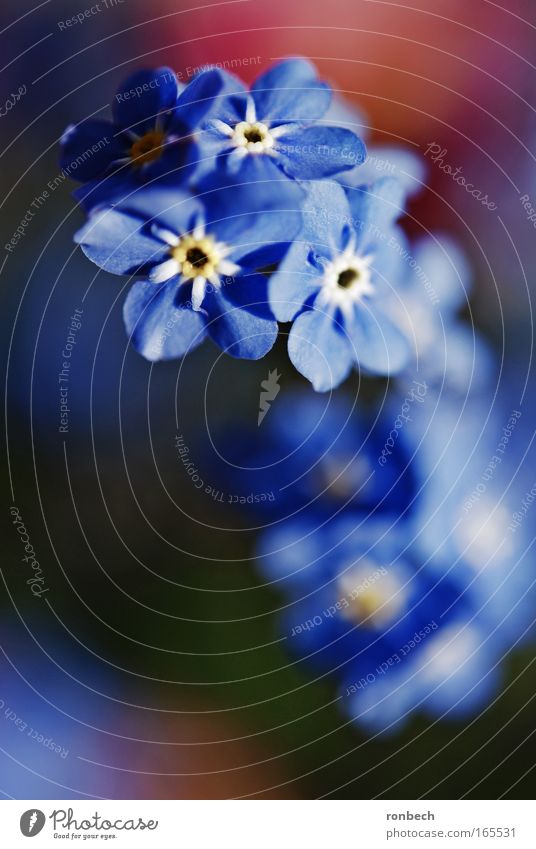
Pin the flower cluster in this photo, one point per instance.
(394, 532)
(238, 209)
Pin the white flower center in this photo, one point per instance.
(346, 280)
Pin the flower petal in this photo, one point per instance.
(142, 96)
(240, 321)
(378, 344)
(161, 330)
(377, 207)
(293, 283)
(316, 152)
(119, 242)
(319, 350)
(80, 159)
(197, 98)
(290, 91)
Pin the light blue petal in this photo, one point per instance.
(319, 350)
(316, 152)
(119, 242)
(378, 345)
(290, 91)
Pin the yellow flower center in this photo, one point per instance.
(147, 148)
(196, 257)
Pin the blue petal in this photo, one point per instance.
(107, 191)
(290, 91)
(114, 241)
(256, 221)
(293, 283)
(319, 350)
(165, 204)
(239, 320)
(89, 148)
(161, 330)
(142, 97)
(390, 161)
(376, 207)
(316, 152)
(378, 345)
(197, 99)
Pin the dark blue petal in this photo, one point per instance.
(160, 330)
(378, 344)
(119, 243)
(143, 96)
(290, 91)
(239, 319)
(89, 148)
(108, 191)
(316, 152)
(319, 350)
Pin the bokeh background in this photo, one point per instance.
(152, 663)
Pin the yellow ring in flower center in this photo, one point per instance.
(147, 148)
(196, 257)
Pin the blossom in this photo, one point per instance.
(338, 281)
(275, 125)
(199, 259)
(317, 453)
(397, 637)
(151, 134)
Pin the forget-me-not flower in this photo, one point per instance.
(337, 281)
(199, 259)
(276, 126)
(151, 134)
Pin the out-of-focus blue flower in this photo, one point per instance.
(473, 519)
(151, 134)
(275, 125)
(199, 257)
(338, 280)
(399, 637)
(447, 353)
(318, 453)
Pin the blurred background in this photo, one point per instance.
(151, 667)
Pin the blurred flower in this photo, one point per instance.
(317, 453)
(397, 636)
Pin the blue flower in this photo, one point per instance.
(151, 134)
(315, 452)
(448, 353)
(199, 258)
(274, 126)
(397, 637)
(338, 281)
(472, 519)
